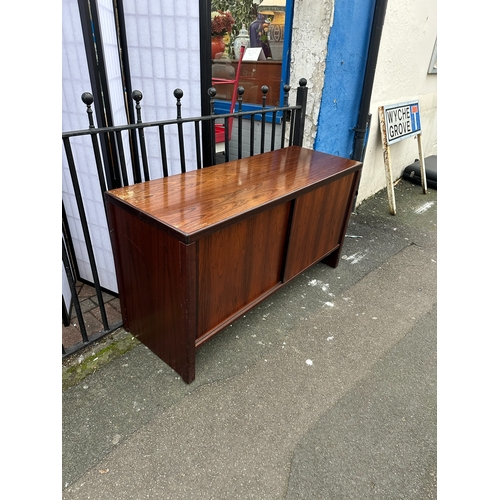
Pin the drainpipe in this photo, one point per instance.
(371, 64)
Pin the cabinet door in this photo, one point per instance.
(239, 264)
(319, 222)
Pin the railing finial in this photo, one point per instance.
(88, 99)
(264, 89)
(178, 93)
(286, 96)
(137, 97)
(241, 91)
(212, 92)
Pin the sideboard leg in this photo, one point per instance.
(332, 259)
(188, 374)
(188, 290)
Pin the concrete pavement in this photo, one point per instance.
(326, 390)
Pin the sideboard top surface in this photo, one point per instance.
(190, 204)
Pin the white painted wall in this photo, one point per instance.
(312, 21)
(408, 37)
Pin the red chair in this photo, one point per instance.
(220, 129)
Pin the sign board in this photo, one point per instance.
(402, 121)
(254, 54)
(398, 122)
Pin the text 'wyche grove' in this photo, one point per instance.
(398, 122)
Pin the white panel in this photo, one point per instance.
(163, 44)
(111, 56)
(75, 82)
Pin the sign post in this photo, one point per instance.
(398, 122)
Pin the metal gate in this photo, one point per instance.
(141, 152)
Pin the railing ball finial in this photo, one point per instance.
(87, 98)
(286, 89)
(302, 82)
(264, 89)
(241, 91)
(212, 92)
(178, 93)
(137, 96)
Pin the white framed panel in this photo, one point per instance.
(76, 81)
(164, 54)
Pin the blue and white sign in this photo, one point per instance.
(402, 121)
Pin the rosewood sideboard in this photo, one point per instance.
(195, 251)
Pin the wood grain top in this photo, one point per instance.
(189, 205)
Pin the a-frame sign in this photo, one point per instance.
(398, 122)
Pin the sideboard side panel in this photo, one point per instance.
(154, 273)
(317, 224)
(333, 258)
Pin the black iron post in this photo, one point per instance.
(212, 92)
(206, 81)
(178, 93)
(300, 116)
(137, 97)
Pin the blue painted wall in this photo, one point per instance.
(344, 73)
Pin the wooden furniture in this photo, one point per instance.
(253, 75)
(195, 251)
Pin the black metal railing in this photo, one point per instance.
(290, 119)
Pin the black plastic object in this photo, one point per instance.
(412, 172)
